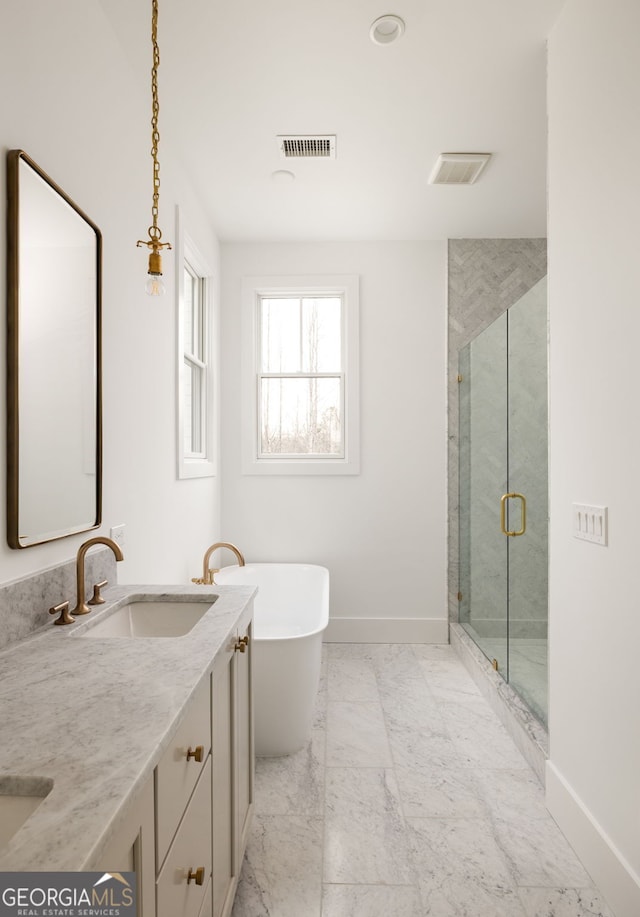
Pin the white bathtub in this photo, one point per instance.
(291, 613)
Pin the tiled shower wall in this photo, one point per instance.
(486, 277)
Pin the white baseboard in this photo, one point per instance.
(614, 876)
(387, 630)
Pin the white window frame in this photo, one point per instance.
(253, 289)
(202, 464)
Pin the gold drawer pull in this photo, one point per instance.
(242, 644)
(197, 876)
(197, 754)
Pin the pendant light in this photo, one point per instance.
(154, 285)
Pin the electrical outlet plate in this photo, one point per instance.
(590, 523)
(117, 534)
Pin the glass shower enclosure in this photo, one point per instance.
(504, 495)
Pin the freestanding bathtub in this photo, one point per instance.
(291, 613)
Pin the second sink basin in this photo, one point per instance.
(151, 619)
(19, 798)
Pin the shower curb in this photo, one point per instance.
(526, 731)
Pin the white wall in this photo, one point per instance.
(593, 780)
(68, 100)
(382, 533)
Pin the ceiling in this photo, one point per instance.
(467, 75)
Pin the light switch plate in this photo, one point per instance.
(590, 523)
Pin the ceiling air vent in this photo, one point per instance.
(298, 146)
(458, 168)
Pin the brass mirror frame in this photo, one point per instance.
(13, 354)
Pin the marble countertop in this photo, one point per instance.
(94, 717)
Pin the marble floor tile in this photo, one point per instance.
(281, 872)
(395, 663)
(365, 837)
(539, 855)
(428, 792)
(371, 901)
(448, 680)
(422, 742)
(292, 784)
(563, 902)
(479, 736)
(452, 898)
(356, 736)
(512, 795)
(410, 800)
(350, 650)
(463, 850)
(436, 651)
(352, 680)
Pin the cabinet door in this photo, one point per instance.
(222, 762)
(180, 768)
(183, 880)
(132, 849)
(244, 745)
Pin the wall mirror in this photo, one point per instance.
(54, 438)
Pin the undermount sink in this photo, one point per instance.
(151, 619)
(19, 798)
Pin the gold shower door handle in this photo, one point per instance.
(503, 514)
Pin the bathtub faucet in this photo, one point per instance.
(207, 573)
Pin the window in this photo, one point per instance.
(195, 367)
(301, 375)
(195, 382)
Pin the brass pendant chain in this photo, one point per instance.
(155, 233)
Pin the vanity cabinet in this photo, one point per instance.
(132, 849)
(232, 759)
(186, 834)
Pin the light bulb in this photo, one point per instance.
(154, 285)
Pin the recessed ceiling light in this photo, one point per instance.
(282, 176)
(386, 29)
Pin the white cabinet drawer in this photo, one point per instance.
(179, 768)
(189, 853)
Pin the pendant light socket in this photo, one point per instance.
(155, 263)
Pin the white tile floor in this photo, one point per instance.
(409, 800)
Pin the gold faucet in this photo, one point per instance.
(207, 574)
(81, 606)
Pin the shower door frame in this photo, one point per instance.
(511, 600)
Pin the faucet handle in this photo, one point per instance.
(198, 580)
(97, 596)
(63, 609)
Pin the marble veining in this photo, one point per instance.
(94, 717)
(25, 602)
(454, 826)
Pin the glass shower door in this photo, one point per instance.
(483, 478)
(528, 474)
(504, 495)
